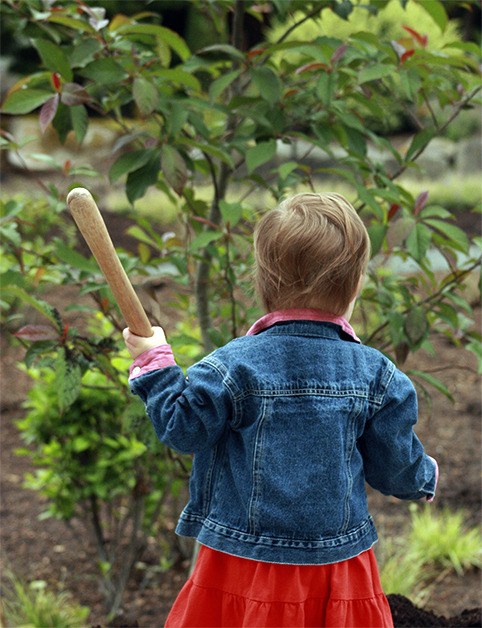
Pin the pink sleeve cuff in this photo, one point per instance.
(152, 360)
(432, 497)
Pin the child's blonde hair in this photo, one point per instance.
(311, 251)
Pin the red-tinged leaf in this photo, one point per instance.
(65, 333)
(56, 81)
(422, 39)
(392, 212)
(339, 53)
(104, 304)
(36, 333)
(74, 94)
(67, 166)
(406, 55)
(255, 52)
(312, 66)
(48, 111)
(290, 92)
(420, 202)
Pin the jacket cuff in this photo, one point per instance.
(431, 497)
(152, 360)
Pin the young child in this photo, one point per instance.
(286, 424)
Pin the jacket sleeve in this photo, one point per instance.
(395, 462)
(190, 413)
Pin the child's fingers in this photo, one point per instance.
(137, 344)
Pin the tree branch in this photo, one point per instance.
(294, 26)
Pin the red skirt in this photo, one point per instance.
(226, 590)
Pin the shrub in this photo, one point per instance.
(97, 461)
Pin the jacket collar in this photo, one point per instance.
(299, 314)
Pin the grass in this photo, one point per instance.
(437, 543)
(32, 605)
(444, 541)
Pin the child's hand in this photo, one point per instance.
(137, 345)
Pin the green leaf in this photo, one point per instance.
(25, 100)
(205, 238)
(325, 87)
(418, 241)
(176, 119)
(41, 306)
(68, 255)
(343, 8)
(80, 121)
(218, 86)
(78, 25)
(53, 58)
(435, 211)
(433, 381)
(437, 12)
(62, 122)
(180, 78)
(375, 72)
(80, 443)
(84, 52)
(376, 232)
(139, 180)
(225, 49)
(104, 71)
(287, 168)
(260, 154)
(231, 212)
(419, 142)
(267, 83)
(476, 348)
(146, 96)
(453, 233)
(173, 168)
(213, 151)
(137, 232)
(416, 325)
(171, 38)
(129, 162)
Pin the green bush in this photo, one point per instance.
(97, 460)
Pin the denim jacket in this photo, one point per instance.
(286, 425)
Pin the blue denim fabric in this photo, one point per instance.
(286, 427)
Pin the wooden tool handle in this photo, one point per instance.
(92, 226)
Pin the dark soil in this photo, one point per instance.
(66, 559)
(407, 614)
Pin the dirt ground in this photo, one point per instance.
(63, 556)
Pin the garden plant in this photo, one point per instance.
(218, 127)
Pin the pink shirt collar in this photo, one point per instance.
(299, 314)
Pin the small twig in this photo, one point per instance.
(430, 108)
(294, 26)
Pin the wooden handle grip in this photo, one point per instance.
(92, 226)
